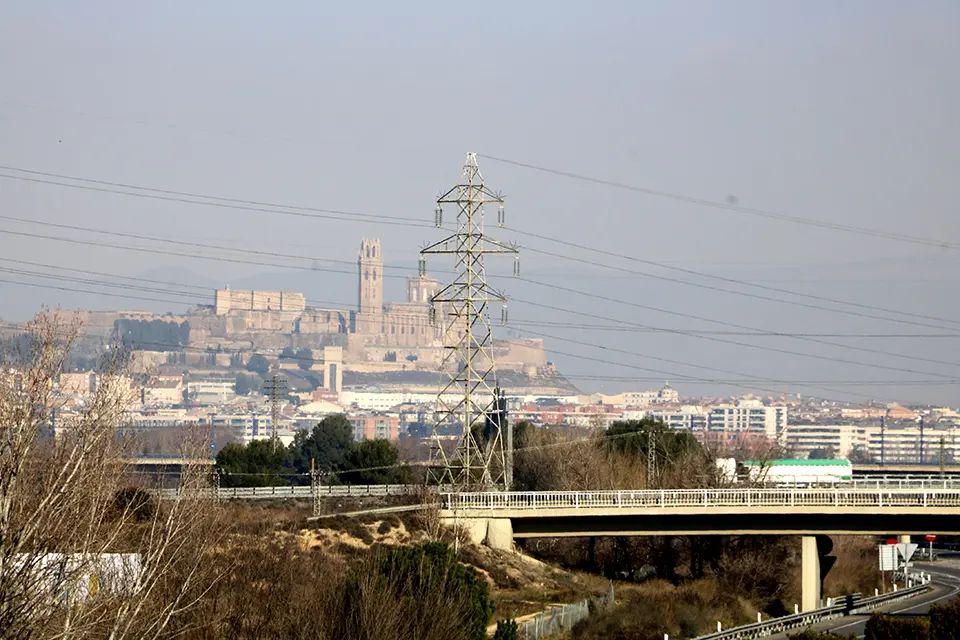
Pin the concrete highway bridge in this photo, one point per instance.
(499, 518)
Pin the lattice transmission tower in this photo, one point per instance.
(467, 403)
(275, 389)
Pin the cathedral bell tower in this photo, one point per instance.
(370, 303)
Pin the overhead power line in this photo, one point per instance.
(745, 283)
(313, 212)
(727, 206)
(732, 381)
(720, 332)
(188, 243)
(185, 197)
(748, 383)
(630, 328)
(106, 245)
(738, 326)
(715, 381)
(261, 263)
(194, 298)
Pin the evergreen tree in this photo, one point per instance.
(258, 364)
(259, 463)
(327, 444)
(376, 462)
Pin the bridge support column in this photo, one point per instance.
(475, 528)
(810, 574)
(497, 533)
(500, 534)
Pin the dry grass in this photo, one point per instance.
(658, 607)
(856, 568)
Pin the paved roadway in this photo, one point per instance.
(946, 583)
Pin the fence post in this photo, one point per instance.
(610, 603)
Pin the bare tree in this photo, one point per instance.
(75, 559)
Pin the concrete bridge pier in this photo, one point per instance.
(500, 534)
(815, 563)
(810, 574)
(497, 533)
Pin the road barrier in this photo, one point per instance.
(807, 618)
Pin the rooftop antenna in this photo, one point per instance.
(469, 397)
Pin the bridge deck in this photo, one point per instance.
(705, 511)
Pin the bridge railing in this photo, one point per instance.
(864, 482)
(266, 493)
(905, 481)
(678, 498)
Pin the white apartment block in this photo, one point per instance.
(893, 444)
(666, 395)
(686, 418)
(748, 416)
(211, 392)
(383, 400)
(802, 439)
(902, 444)
(246, 427)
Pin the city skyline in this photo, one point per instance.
(839, 116)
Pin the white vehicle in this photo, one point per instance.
(798, 473)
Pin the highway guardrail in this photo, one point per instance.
(807, 618)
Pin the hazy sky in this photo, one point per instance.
(843, 112)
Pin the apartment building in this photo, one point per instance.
(840, 439)
(899, 443)
(748, 416)
(211, 391)
(246, 427)
(686, 417)
(375, 427)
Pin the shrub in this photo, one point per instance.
(135, 503)
(945, 621)
(348, 525)
(426, 586)
(659, 607)
(279, 590)
(881, 627)
(506, 630)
